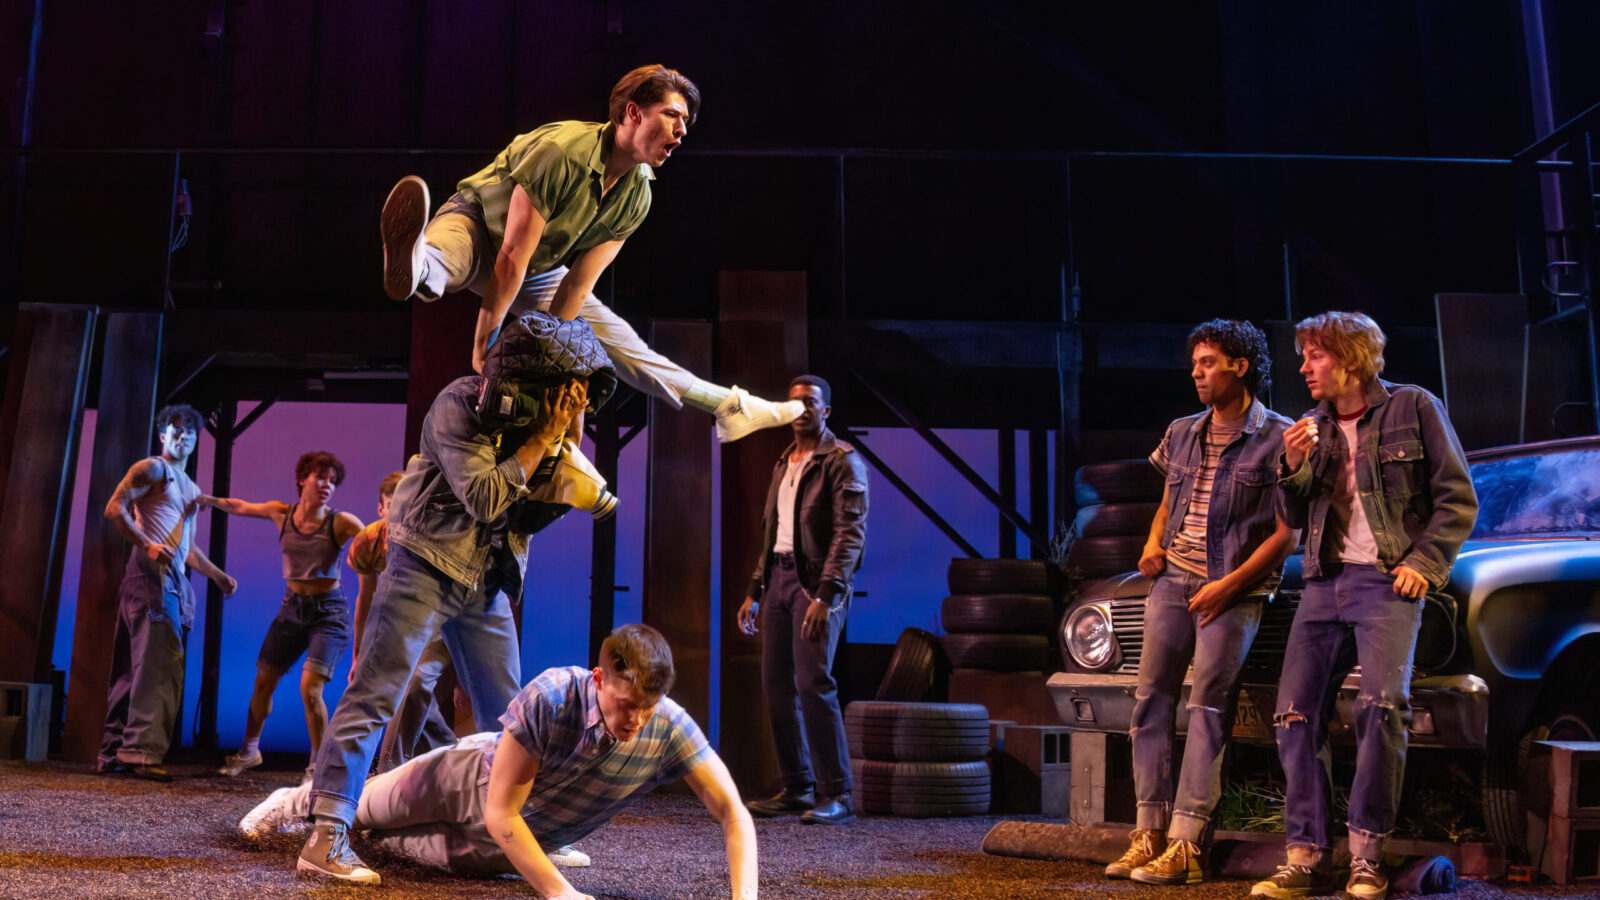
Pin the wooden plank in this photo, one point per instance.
(38, 499)
(762, 344)
(677, 535)
(441, 352)
(123, 435)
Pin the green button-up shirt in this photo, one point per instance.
(561, 165)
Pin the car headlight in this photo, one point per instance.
(1089, 637)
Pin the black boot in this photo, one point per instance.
(832, 811)
(785, 803)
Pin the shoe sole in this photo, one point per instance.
(816, 821)
(405, 214)
(232, 772)
(312, 868)
(1143, 877)
(1119, 872)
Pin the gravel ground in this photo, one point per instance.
(67, 833)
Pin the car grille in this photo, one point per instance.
(1266, 654)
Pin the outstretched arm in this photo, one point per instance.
(510, 780)
(271, 509)
(524, 229)
(580, 279)
(714, 786)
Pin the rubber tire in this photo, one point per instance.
(923, 789)
(916, 732)
(1122, 480)
(997, 614)
(1506, 778)
(1101, 556)
(1115, 519)
(1003, 576)
(913, 668)
(998, 652)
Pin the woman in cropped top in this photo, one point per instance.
(314, 619)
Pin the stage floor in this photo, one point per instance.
(68, 833)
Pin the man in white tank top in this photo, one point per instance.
(154, 506)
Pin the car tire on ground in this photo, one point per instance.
(997, 614)
(922, 789)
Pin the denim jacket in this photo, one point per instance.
(1244, 502)
(1410, 471)
(456, 497)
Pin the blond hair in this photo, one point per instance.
(1351, 337)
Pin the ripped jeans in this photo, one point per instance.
(1350, 615)
(1171, 637)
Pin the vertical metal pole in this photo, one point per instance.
(603, 544)
(1007, 446)
(1039, 487)
(1587, 258)
(1542, 107)
(205, 736)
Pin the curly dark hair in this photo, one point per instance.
(1240, 340)
(314, 462)
(182, 415)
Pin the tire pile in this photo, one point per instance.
(999, 614)
(919, 760)
(1117, 501)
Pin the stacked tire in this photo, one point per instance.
(999, 614)
(919, 760)
(1116, 503)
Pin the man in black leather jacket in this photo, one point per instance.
(813, 531)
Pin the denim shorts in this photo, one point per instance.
(317, 625)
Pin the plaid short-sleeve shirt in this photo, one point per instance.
(585, 776)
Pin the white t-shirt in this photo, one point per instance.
(784, 542)
(1349, 517)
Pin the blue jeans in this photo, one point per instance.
(1172, 636)
(802, 697)
(414, 601)
(1350, 615)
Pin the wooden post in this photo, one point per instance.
(762, 344)
(677, 531)
(122, 436)
(38, 498)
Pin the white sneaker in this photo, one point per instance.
(235, 763)
(405, 215)
(269, 817)
(743, 413)
(570, 857)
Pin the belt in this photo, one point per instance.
(785, 560)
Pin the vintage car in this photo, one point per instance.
(1508, 652)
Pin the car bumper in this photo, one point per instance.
(1449, 711)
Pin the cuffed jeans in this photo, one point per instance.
(429, 810)
(147, 665)
(414, 601)
(458, 256)
(1350, 615)
(1172, 636)
(802, 697)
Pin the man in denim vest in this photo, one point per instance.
(1378, 480)
(1216, 551)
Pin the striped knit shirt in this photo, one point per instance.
(560, 166)
(1188, 550)
(586, 776)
